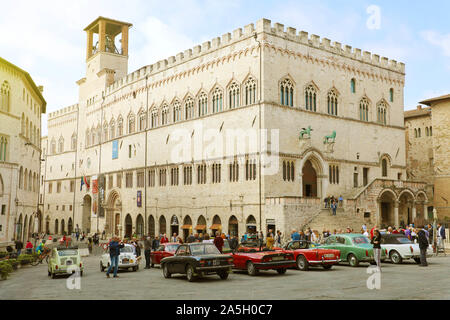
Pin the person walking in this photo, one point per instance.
(423, 246)
(218, 241)
(19, 247)
(114, 252)
(376, 241)
(147, 251)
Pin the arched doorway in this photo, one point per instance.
(187, 227)
(19, 228)
(233, 225)
(56, 227)
(406, 207)
(201, 225)
(151, 226)
(422, 209)
(86, 218)
(25, 229)
(63, 227)
(174, 226)
(113, 209)
(216, 225)
(47, 225)
(309, 179)
(250, 224)
(139, 226)
(128, 226)
(387, 213)
(70, 226)
(162, 225)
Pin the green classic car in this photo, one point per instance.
(64, 261)
(354, 247)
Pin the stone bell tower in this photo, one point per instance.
(106, 53)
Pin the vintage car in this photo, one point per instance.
(127, 259)
(164, 250)
(64, 261)
(253, 261)
(400, 248)
(255, 247)
(354, 247)
(196, 260)
(307, 255)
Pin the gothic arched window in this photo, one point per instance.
(353, 86)
(177, 113)
(381, 112)
(189, 108)
(234, 96)
(250, 91)
(131, 123)
(165, 115)
(332, 102)
(202, 104)
(119, 126)
(112, 129)
(5, 97)
(287, 93)
(142, 116)
(364, 109)
(154, 118)
(311, 98)
(217, 100)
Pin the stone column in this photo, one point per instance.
(102, 35)
(414, 212)
(378, 217)
(89, 44)
(396, 216)
(425, 210)
(124, 40)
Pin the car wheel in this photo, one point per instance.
(251, 269)
(166, 272)
(281, 271)
(190, 273)
(353, 260)
(81, 273)
(395, 257)
(152, 265)
(302, 263)
(102, 268)
(417, 260)
(49, 273)
(53, 275)
(327, 266)
(136, 268)
(223, 275)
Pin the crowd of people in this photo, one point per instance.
(333, 203)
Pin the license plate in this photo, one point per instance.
(216, 262)
(125, 261)
(277, 258)
(68, 263)
(328, 255)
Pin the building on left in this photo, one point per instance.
(21, 107)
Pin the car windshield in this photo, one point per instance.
(402, 240)
(198, 250)
(65, 253)
(172, 247)
(126, 249)
(360, 240)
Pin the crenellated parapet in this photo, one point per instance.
(262, 26)
(63, 111)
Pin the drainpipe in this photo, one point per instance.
(259, 135)
(145, 165)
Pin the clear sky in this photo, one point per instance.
(46, 37)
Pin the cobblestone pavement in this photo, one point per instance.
(407, 281)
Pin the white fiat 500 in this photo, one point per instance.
(127, 259)
(400, 248)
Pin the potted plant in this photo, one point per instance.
(5, 269)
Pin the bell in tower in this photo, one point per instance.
(109, 54)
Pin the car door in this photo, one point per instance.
(180, 256)
(330, 243)
(158, 254)
(342, 244)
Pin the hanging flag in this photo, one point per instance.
(86, 183)
(81, 185)
(94, 185)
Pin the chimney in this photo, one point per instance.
(419, 107)
(41, 88)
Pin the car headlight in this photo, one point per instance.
(131, 261)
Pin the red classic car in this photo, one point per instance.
(262, 260)
(254, 247)
(164, 250)
(306, 255)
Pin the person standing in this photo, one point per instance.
(234, 243)
(278, 239)
(295, 236)
(155, 243)
(218, 241)
(423, 245)
(164, 239)
(325, 201)
(190, 238)
(147, 251)
(114, 253)
(19, 247)
(440, 238)
(334, 207)
(341, 201)
(376, 241)
(270, 239)
(174, 237)
(29, 247)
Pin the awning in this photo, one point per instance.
(186, 226)
(216, 227)
(200, 227)
(233, 222)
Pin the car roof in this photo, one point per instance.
(351, 235)
(169, 243)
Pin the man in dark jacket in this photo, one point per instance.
(114, 253)
(234, 243)
(423, 245)
(147, 250)
(19, 247)
(155, 243)
(190, 238)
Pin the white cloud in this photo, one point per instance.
(440, 40)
